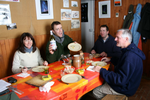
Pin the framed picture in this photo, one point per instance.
(104, 9)
(44, 9)
(117, 3)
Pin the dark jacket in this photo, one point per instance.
(127, 74)
(109, 47)
(129, 17)
(144, 25)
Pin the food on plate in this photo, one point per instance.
(99, 63)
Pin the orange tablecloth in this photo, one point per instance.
(60, 90)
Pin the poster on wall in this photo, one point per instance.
(44, 9)
(11, 0)
(74, 3)
(65, 3)
(75, 14)
(117, 3)
(11, 26)
(84, 12)
(5, 15)
(66, 14)
(75, 24)
(104, 9)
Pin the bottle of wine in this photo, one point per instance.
(52, 41)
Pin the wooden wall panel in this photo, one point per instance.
(115, 23)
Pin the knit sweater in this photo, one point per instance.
(108, 47)
(62, 48)
(21, 60)
(128, 72)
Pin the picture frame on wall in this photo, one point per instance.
(117, 2)
(44, 9)
(104, 9)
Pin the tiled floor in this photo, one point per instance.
(143, 92)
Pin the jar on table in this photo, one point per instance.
(77, 61)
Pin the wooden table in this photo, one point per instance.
(60, 90)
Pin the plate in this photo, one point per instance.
(71, 78)
(74, 47)
(39, 68)
(99, 63)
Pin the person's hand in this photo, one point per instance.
(105, 59)
(45, 63)
(24, 69)
(97, 68)
(103, 54)
(93, 52)
(50, 49)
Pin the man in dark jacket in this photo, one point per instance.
(128, 71)
(106, 44)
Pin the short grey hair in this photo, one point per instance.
(126, 33)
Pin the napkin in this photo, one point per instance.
(3, 85)
(90, 68)
(46, 87)
(24, 75)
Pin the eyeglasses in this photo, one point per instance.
(27, 40)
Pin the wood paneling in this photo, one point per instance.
(115, 23)
(9, 46)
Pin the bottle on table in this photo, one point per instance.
(52, 41)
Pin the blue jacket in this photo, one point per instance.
(128, 72)
(136, 21)
(109, 47)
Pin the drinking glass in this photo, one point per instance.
(62, 73)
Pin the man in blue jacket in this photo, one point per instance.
(106, 44)
(128, 71)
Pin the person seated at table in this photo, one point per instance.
(62, 42)
(27, 55)
(126, 77)
(105, 44)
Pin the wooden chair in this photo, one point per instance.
(115, 97)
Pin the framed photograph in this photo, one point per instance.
(44, 9)
(104, 9)
(117, 3)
